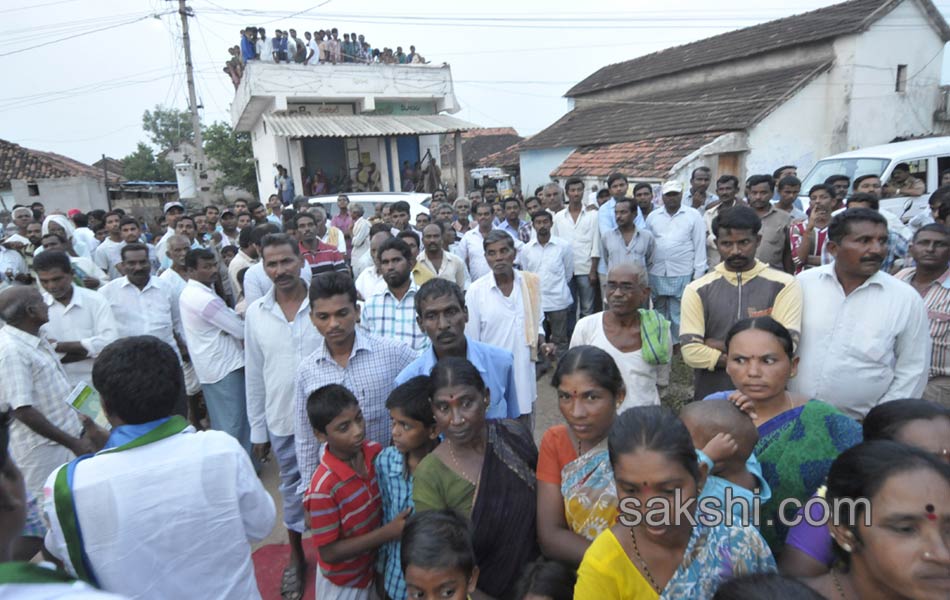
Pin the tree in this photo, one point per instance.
(142, 165)
(167, 127)
(230, 153)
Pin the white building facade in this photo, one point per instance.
(791, 91)
(336, 119)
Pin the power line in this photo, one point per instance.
(32, 6)
(51, 42)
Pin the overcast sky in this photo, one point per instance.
(511, 61)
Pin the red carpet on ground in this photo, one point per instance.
(269, 564)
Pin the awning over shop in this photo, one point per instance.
(303, 125)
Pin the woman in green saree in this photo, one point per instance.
(483, 469)
(799, 438)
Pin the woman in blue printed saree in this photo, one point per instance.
(646, 555)
(577, 498)
(799, 438)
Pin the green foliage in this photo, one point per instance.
(142, 165)
(227, 152)
(167, 127)
(230, 153)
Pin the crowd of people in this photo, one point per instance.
(388, 363)
(320, 47)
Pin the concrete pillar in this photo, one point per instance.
(394, 164)
(459, 167)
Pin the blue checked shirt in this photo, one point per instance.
(395, 487)
(387, 317)
(370, 374)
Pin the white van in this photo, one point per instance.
(927, 159)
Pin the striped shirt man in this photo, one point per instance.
(937, 301)
(324, 258)
(341, 504)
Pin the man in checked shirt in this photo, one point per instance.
(363, 363)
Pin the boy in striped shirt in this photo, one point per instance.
(343, 500)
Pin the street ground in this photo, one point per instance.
(675, 395)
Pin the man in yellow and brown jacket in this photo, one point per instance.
(739, 287)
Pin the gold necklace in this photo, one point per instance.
(476, 481)
(834, 578)
(643, 563)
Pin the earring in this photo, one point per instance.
(928, 556)
(846, 546)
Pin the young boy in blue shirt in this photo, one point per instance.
(414, 436)
(725, 438)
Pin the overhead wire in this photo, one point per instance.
(46, 43)
(32, 6)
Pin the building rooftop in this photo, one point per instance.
(17, 162)
(479, 143)
(814, 26)
(722, 105)
(648, 159)
(341, 90)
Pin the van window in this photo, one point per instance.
(943, 171)
(849, 167)
(918, 170)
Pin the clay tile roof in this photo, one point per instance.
(17, 162)
(477, 144)
(509, 157)
(723, 105)
(814, 26)
(490, 131)
(649, 158)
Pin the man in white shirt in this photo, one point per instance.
(471, 248)
(313, 49)
(552, 260)
(865, 333)
(198, 489)
(579, 227)
(444, 264)
(214, 333)
(327, 233)
(274, 345)
(263, 46)
(256, 282)
(679, 254)
(361, 227)
(247, 256)
(173, 211)
(107, 253)
(174, 279)
(84, 269)
(46, 431)
(142, 303)
(504, 310)
(371, 282)
(81, 322)
(13, 267)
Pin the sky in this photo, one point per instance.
(78, 74)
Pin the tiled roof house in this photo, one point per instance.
(788, 91)
(476, 145)
(58, 181)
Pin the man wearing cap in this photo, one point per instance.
(680, 252)
(173, 211)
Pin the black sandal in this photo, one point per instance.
(291, 586)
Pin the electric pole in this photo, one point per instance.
(185, 12)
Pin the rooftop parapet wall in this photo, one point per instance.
(269, 87)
